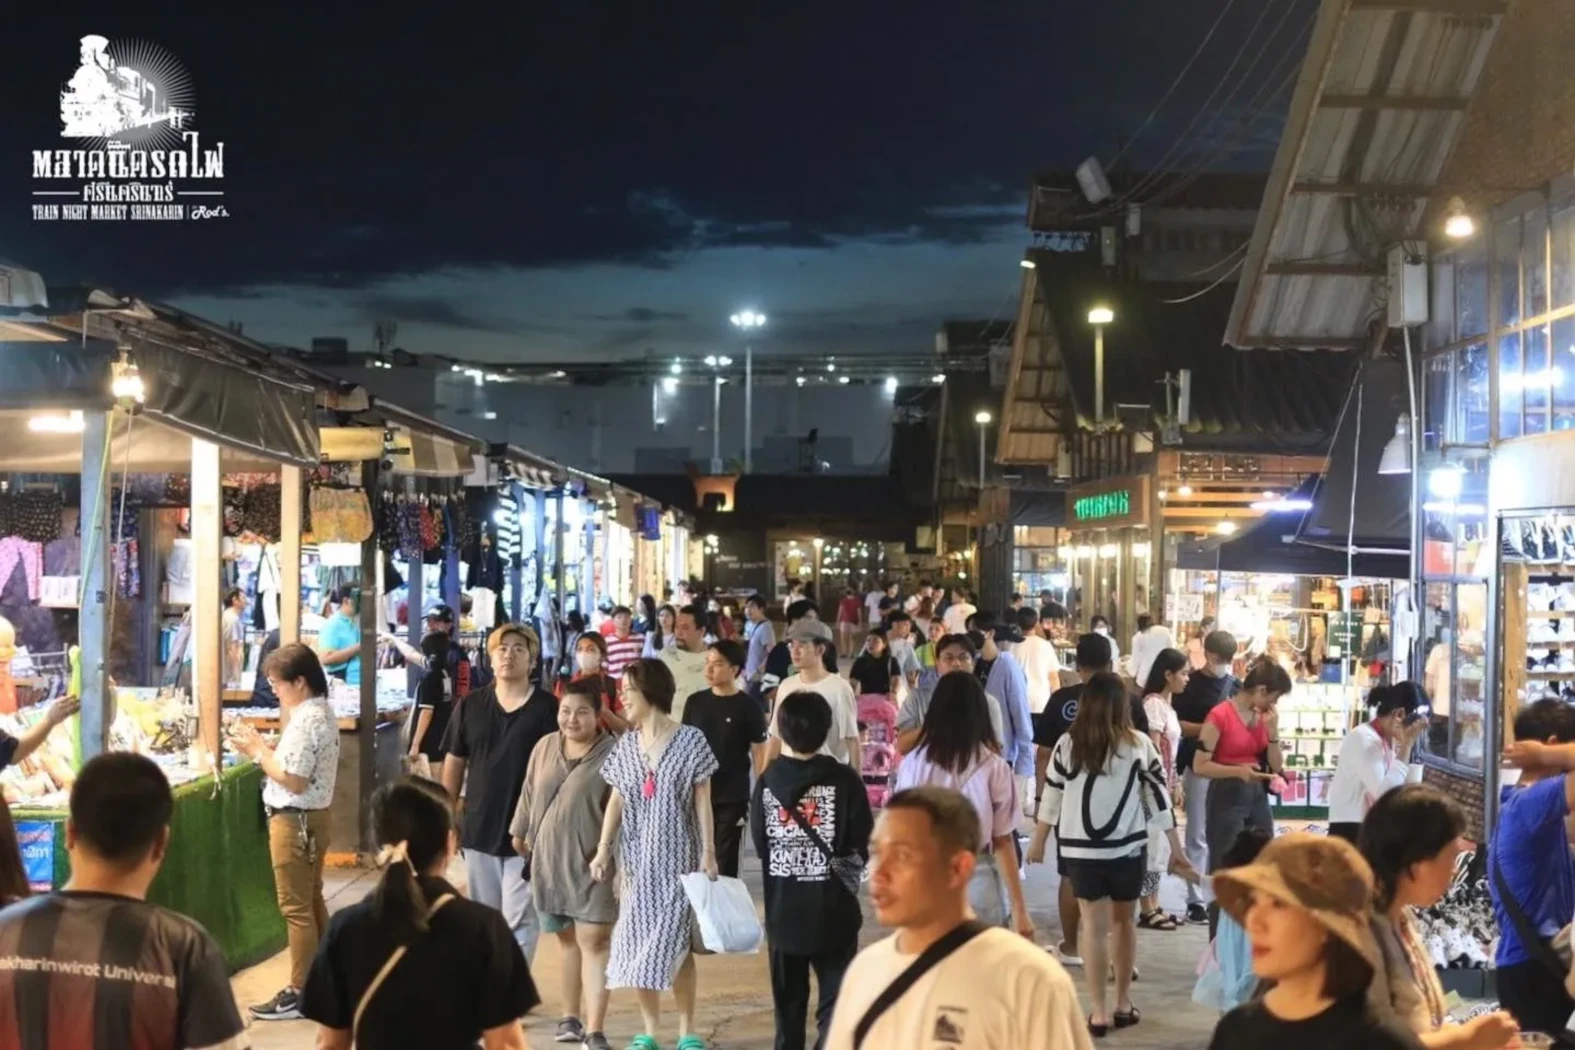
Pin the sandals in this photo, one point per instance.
(1157, 920)
(644, 1042)
(1098, 1031)
(690, 1042)
(1126, 1018)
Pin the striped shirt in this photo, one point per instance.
(1104, 814)
(80, 970)
(621, 652)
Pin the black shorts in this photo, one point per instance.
(1118, 880)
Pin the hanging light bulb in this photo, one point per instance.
(125, 381)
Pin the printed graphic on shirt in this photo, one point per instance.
(951, 1026)
(792, 854)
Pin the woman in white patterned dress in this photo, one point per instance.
(660, 817)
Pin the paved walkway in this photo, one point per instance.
(735, 991)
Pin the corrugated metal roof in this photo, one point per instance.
(1379, 104)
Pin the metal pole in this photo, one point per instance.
(93, 626)
(749, 407)
(1099, 373)
(716, 424)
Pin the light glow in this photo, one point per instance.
(1101, 315)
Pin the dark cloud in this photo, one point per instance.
(432, 310)
(643, 315)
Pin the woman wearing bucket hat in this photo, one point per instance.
(1305, 904)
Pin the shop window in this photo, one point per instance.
(1561, 348)
(1437, 656)
(1471, 291)
(1468, 701)
(1436, 374)
(1511, 387)
(1454, 521)
(1534, 263)
(1564, 256)
(1538, 379)
(1506, 270)
(1471, 395)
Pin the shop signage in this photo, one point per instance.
(1183, 608)
(133, 152)
(1116, 504)
(36, 838)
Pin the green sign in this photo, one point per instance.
(1105, 505)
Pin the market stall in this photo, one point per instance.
(115, 413)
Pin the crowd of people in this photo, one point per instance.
(577, 798)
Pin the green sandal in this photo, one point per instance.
(691, 1042)
(644, 1042)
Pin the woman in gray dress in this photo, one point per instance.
(557, 824)
(659, 822)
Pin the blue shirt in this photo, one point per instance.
(1008, 682)
(341, 632)
(762, 638)
(1533, 853)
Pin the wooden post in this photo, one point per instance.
(415, 606)
(366, 725)
(290, 527)
(207, 533)
(93, 627)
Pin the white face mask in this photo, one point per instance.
(588, 662)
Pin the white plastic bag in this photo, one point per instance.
(724, 914)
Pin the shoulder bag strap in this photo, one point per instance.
(388, 968)
(1534, 942)
(821, 844)
(932, 957)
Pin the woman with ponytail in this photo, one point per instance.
(415, 963)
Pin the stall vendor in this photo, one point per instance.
(13, 749)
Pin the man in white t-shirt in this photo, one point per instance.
(1038, 659)
(872, 604)
(926, 592)
(957, 613)
(686, 658)
(1151, 640)
(808, 641)
(996, 991)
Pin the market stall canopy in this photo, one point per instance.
(424, 447)
(1038, 507)
(1380, 103)
(529, 469)
(1270, 546)
(1382, 502)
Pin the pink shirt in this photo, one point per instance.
(1238, 745)
(988, 783)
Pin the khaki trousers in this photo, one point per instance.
(298, 844)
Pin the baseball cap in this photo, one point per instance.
(810, 631)
(440, 612)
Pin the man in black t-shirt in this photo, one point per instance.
(95, 965)
(1206, 687)
(493, 735)
(735, 727)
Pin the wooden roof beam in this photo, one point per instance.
(1413, 190)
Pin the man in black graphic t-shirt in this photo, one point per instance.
(95, 965)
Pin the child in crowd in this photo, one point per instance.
(1225, 978)
(810, 821)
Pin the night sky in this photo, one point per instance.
(602, 179)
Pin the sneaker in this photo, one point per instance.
(1197, 914)
(1066, 958)
(570, 1031)
(596, 1041)
(286, 1006)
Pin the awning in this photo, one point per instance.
(243, 410)
(424, 447)
(234, 407)
(1039, 508)
(529, 469)
(1270, 547)
(1382, 501)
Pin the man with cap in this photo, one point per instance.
(810, 640)
(440, 618)
(779, 662)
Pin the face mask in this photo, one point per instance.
(1102, 629)
(588, 662)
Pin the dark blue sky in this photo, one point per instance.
(598, 179)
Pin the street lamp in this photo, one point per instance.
(1458, 224)
(748, 321)
(716, 415)
(983, 419)
(1099, 316)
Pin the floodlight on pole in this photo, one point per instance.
(1099, 316)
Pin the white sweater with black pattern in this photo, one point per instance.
(1099, 815)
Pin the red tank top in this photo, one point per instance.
(1238, 745)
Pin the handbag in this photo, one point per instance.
(931, 957)
(848, 870)
(388, 968)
